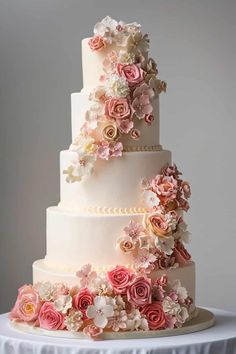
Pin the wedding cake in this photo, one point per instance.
(116, 257)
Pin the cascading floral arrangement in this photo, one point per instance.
(123, 98)
(158, 243)
(119, 300)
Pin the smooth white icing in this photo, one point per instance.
(80, 103)
(114, 183)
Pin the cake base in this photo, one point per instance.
(204, 319)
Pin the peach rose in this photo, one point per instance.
(155, 316)
(165, 186)
(186, 189)
(181, 254)
(120, 278)
(139, 291)
(157, 225)
(97, 43)
(27, 305)
(118, 108)
(132, 72)
(50, 318)
(82, 300)
(126, 245)
(110, 132)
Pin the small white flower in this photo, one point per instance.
(180, 290)
(100, 311)
(165, 245)
(144, 258)
(126, 58)
(118, 320)
(117, 86)
(151, 199)
(46, 291)
(182, 233)
(106, 28)
(182, 315)
(83, 165)
(170, 306)
(136, 321)
(63, 303)
(101, 285)
(73, 321)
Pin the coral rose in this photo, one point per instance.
(157, 224)
(120, 278)
(165, 186)
(92, 331)
(135, 134)
(82, 300)
(27, 305)
(181, 254)
(97, 43)
(50, 318)
(139, 291)
(155, 316)
(118, 108)
(132, 72)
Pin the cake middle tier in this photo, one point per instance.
(115, 184)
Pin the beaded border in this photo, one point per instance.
(142, 148)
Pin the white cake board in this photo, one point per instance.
(203, 320)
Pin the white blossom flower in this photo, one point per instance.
(136, 321)
(86, 275)
(144, 258)
(46, 291)
(101, 285)
(100, 311)
(182, 315)
(63, 303)
(170, 306)
(165, 245)
(126, 58)
(83, 165)
(118, 320)
(180, 290)
(73, 321)
(182, 233)
(117, 86)
(106, 28)
(150, 198)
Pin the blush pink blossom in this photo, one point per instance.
(142, 106)
(166, 187)
(139, 291)
(103, 151)
(27, 305)
(50, 318)
(82, 300)
(118, 108)
(134, 230)
(92, 331)
(155, 316)
(86, 275)
(132, 72)
(120, 278)
(115, 149)
(125, 125)
(97, 43)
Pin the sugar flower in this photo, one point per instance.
(73, 321)
(139, 291)
(82, 165)
(165, 245)
(118, 320)
(120, 278)
(110, 131)
(100, 311)
(92, 331)
(63, 303)
(117, 86)
(151, 199)
(143, 259)
(126, 244)
(136, 321)
(132, 73)
(125, 125)
(155, 315)
(97, 43)
(134, 230)
(86, 275)
(180, 290)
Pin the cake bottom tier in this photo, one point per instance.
(186, 275)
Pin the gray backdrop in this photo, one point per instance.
(40, 65)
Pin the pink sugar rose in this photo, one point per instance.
(132, 72)
(139, 291)
(155, 316)
(27, 305)
(157, 224)
(118, 108)
(120, 278)
(82, 300)
(181, 254)
(149, 118)
(50, 318)
(135, 134)
(92, 331)
(97, 43)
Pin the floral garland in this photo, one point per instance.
(124, 96)
(119, 300)
(158, 242)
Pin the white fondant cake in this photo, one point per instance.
(115, 243)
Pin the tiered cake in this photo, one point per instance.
(115, 258)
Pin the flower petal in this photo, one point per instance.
(100, 320)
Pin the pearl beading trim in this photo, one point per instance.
(142, 148)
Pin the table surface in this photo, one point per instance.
(220, 339)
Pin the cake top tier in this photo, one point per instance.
(114, 45)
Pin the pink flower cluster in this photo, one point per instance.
(133, 301)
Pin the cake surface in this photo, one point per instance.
(116, 258)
